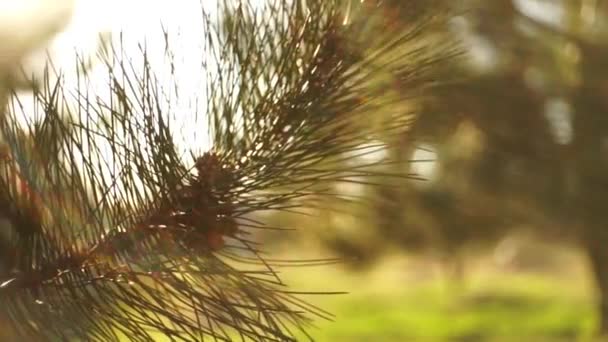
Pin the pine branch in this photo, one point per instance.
(114, 232)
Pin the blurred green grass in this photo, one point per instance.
(425, 315)
(491, 305)
(409, 299)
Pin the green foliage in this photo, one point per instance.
(518, 135)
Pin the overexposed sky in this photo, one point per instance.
(128, 25)
(134, 23)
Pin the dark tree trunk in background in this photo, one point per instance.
(598, 257)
